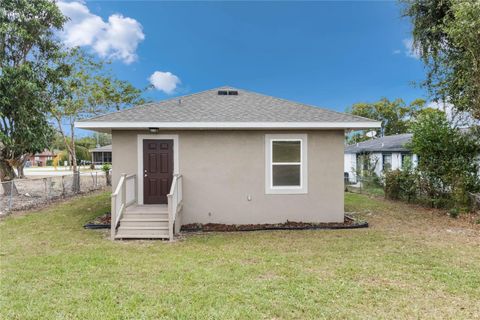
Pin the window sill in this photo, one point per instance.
(286, 191)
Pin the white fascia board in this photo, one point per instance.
(227, 125)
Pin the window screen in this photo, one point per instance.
(286, 163)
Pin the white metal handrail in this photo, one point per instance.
(175, 198)
(125, 194)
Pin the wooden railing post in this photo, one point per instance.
(170, 216)
(135, 191)
(124, 192)
(113, 225)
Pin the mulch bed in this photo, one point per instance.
(101, 222)
(349, 223)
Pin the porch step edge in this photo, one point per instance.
(143, 220)
(142, 228)
(141, 236)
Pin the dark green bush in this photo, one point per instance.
(401, 185)
(448, 166)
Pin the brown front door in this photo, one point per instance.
(157, 170)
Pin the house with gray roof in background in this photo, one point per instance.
(226, 156)
(385, 153)
(101, 155)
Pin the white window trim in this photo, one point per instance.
(303, 188)
(140, 139)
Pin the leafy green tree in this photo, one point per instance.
(395, 116)
(27, 73)
(448, 163)
(446, 36)
(90, 89)
(87, 142)
(91, 142)
(103, 139)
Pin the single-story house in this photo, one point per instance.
(101, 155)
(385, 153)
(225, 156)
(40, 159)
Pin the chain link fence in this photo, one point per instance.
(22, 194)
(364, 185)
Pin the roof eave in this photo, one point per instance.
(377, 150)
(108, 126)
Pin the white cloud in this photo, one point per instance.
(117, 38)
(164, 81)
(410, 50)
(397, 51)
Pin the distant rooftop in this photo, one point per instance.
(107, 148)
(394, 143)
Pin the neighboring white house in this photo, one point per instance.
(385, 153)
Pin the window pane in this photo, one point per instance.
(286, 175)
(286, 151)
(387, 162)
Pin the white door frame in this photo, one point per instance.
(140, 138)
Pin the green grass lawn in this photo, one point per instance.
(411, 263)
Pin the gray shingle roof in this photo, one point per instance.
(395, 143)
(208, 106)
(107, 148)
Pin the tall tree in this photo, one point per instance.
(27, 49)
(395, 116)
(90, 89)
(447, 38)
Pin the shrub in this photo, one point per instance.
(392, 185)
(448, 167)
(402, 184)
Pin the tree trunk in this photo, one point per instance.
(7, 174)
(21, 174)
(108, 177)
(72, 147)
(21, 166)
(76, 174)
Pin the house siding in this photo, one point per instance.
(223, 169)
(377, 159)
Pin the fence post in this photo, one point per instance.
(45, 187)
(49, 187)
(63, 186)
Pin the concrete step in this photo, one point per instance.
(141, 236)
(147, 209)
(145, 216)
(142, 232)
(141, 222)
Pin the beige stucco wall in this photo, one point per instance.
(222, 168)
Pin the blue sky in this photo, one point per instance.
(329, 54)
